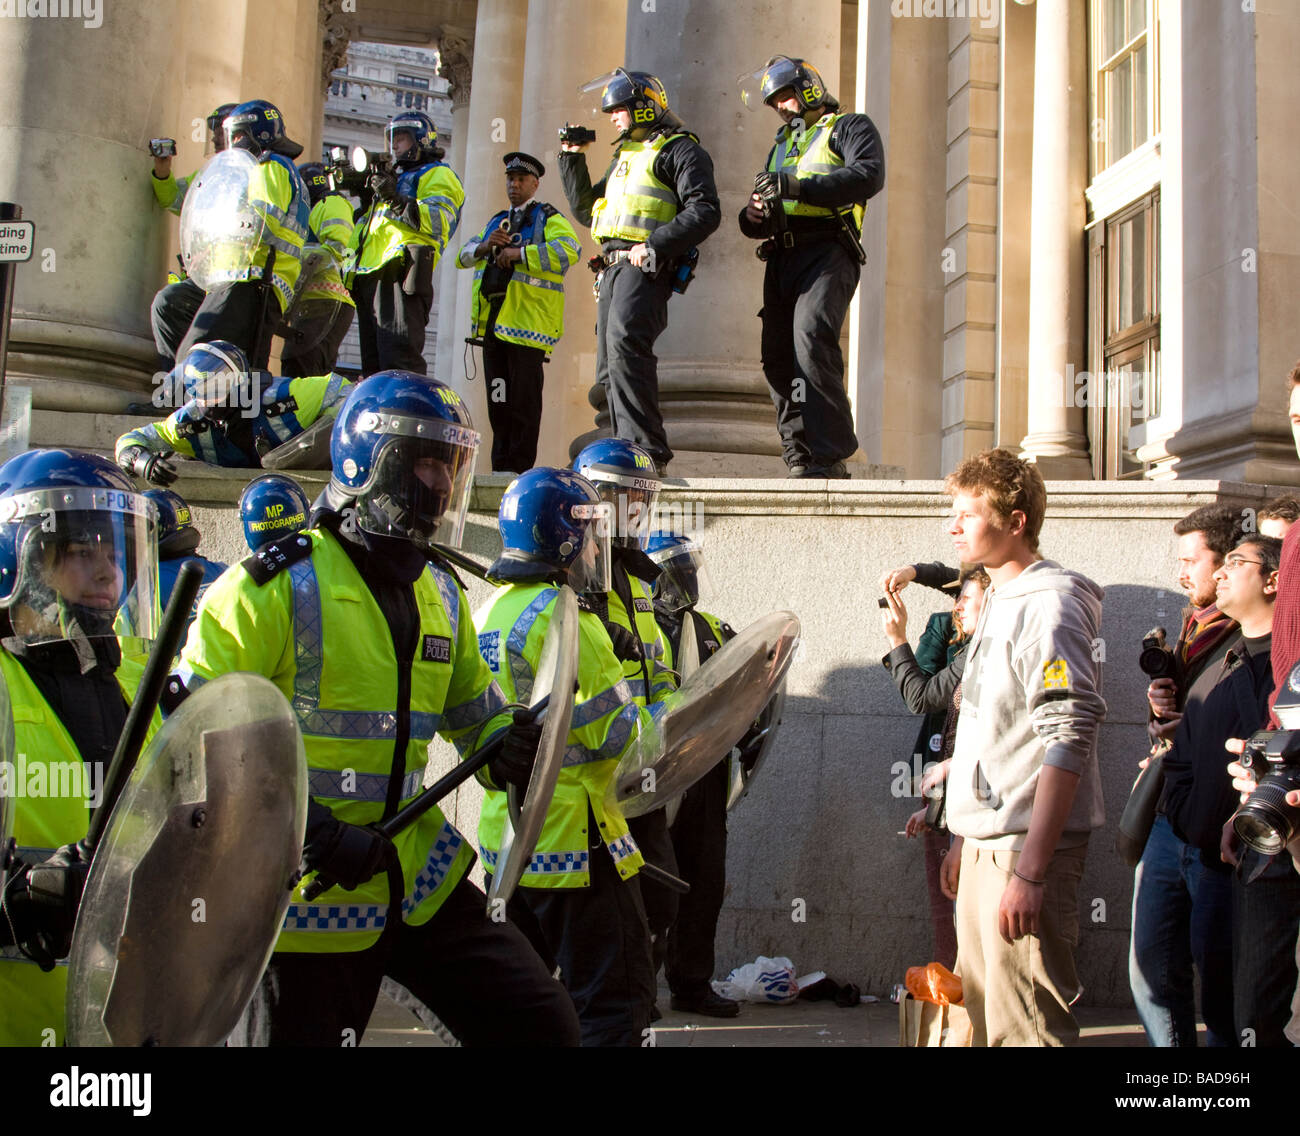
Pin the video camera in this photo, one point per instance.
(350, 170)
(576, 135)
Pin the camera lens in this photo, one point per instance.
(1266, 822)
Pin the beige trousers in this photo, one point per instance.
(1018, 993)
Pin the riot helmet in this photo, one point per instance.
(271, 508)
(683, 575)
(554, 523)
(641, 93)
(216, 134)
(625, 475)
(760, 86)
(78, 549)
(216, 376)
(177, 535)
(423, 146)
(403, 449)
(258, 126)
(317, 180)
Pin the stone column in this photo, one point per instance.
(1057, 438)
(569, 42)
(715, 402)
(896, 356)
(491, 131)
(455, 55)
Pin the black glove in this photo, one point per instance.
(41, 905)
(349, 854)
(383, 184)
(514, 764)
(772, 187)
(151, 467)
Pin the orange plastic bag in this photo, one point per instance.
(935, 983)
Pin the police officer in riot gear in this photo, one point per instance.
(376, 646)
(655, 204)
(398, 244)
(807, 208)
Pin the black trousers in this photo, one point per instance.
(650, 832)
(390, 320)
(1265, 922)
(631, 314)
(170, 316)
(699, 836)
(514, 397)
(482, 978)
(599, 939)
(806, 294)
(315, 348)
(245, 314)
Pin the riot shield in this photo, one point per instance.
(557, 671)
(317, 298)
(8, 786)
(688, 662)
(221, 226)
(189, 885)
(308, 450)
(745, 768)
(714, 708)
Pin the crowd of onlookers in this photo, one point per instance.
(1011, 791)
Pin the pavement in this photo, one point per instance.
(800, 1025)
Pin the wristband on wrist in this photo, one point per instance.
(1036, 883)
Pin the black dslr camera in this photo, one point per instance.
(1266, 822)
(576, 135)
(344, 177)
(1156, 659)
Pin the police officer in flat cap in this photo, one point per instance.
(519, 261)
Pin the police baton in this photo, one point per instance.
(140, 715)
(407, 816)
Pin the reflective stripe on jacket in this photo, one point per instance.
(811, 159)
(532, 313)
(636, 202)
(606, 720)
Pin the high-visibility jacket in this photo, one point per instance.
(532, 313)
(813, 158)
(657, 671)
(170, 191)
(387, 231)
(329, 226)
(287, 408)
(316, 631)
(636, 202)
(606, 720)
(31, 1000)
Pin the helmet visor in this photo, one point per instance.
(591, 570)
(403, 143)
(608, 91)
(632, 507)
(684, 579)
(420, 486)
(213, 378)
(759, 85)
(87, 565)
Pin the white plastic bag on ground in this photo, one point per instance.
(763, 980)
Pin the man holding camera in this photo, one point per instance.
(656, 202)
(517, 308)
(416, 209)
(1177, 922)
(807, 207)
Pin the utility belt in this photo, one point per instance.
(681, 271)
(788, 239)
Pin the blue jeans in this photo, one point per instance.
(1182, 915)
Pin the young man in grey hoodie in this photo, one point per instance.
(1024, 790)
